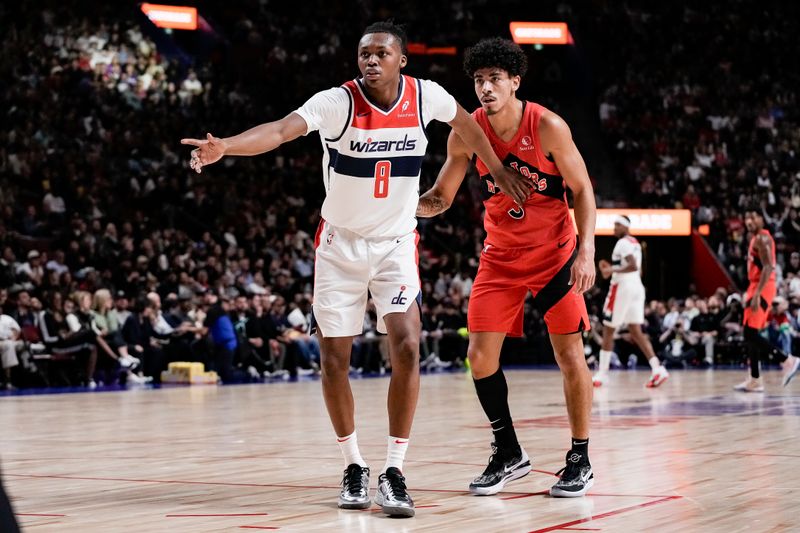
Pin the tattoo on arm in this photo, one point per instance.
(430, 206)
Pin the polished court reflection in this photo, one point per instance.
(691, 456)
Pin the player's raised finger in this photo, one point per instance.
(193, 142)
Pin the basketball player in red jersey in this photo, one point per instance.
(529, 247)
(757, 302)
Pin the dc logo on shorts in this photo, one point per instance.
(400, 299)
(330, 238)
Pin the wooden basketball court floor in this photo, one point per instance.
(690, 456)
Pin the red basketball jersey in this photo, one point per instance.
(754, 265)
(545, 215)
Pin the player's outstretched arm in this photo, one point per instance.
(439, 197)
(512, 183)
(557, 140)
(254, 141)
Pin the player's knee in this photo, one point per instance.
(572, 363)
(479, 360)
(335, 364)
(406, 352)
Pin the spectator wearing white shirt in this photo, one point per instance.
(32, 269)
(56, 264)
(10, 343)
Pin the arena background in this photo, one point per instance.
(117, 260)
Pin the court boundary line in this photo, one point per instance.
(288, 486)
(615, 512)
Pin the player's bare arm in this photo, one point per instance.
(557, 141)
(438, 198)
(257, 140)
(764, 247)
(510, 182)
(607, 269)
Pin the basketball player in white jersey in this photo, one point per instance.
(625, 303)
(373, 140)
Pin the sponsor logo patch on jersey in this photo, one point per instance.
(526, 143)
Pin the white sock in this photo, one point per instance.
(654, 363)
(395, 453)
(605, 361)
(349, 447)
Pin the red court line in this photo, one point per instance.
(428, 506)
(513, 495)
(221, 483)
(605, 515)
(38, 514)
(248, 457)
(223, 514)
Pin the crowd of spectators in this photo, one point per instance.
(701, 106)
(101, 221)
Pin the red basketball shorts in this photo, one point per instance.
(506, 275)
(758, 319)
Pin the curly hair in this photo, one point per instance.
(496, 52)
(389, 26)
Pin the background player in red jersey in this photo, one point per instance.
(529, 247)
(757, 302)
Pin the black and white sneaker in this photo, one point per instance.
(355, 488)
(576, 478)
(392, 496)
(504, 465)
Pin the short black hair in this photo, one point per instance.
(755, 209)
(389, 26)
(496, 52)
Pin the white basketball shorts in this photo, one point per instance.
(349, 268)
(624, 304)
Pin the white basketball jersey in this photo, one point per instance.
(372, 158)
(627, 246)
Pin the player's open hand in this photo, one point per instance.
(514, 184)
(209, 150)
(581, 275)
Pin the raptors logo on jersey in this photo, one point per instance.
(372, 168)
(545, 215)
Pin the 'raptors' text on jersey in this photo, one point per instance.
(545, 215)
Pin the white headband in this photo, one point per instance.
(619, 219)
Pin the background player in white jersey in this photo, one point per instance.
(373, 137)
(625, 303)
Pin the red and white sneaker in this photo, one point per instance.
(658, 377)
(789, 368)
(599, 379)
